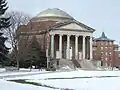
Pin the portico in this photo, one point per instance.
(71, 46)
(69, 42)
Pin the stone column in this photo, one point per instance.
(76, 47)
(83, 47)
(52, 46)
(60, 45)
(91, 51)
(68, 46)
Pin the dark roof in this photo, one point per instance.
(103, 38)
(36, 26)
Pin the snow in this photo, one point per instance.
(84, 84)
(70, 74)
(5, 85)
(2, 69)
(78, 80)
(21, 72)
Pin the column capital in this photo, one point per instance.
(68, 35)
(84, 36)
(76, 35)
(60, 34)
(91, 36)
(52, 34)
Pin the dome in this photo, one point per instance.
(55, 12)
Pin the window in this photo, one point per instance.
(101, 48)
(106, 59)
(94, 48)
(106, 47)
(110, 47)
(102, 53)
(110, 53)
(106, 53)
(110, 43)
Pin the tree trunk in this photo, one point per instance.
(17, 57)
(17, 63)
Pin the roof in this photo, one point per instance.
(55, 12)
(72, 21)
(36, 26)
(48, 25)
(103, 37)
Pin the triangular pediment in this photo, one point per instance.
(74, 26)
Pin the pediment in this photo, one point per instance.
(73, 26)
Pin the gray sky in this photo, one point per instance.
(103, 15)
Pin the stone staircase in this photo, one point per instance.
(76, 63)
(66, 63)
(87, 65)
(72, 64)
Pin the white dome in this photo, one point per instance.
(57, 13)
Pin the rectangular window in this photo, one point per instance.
(101, 48)
(106, 59)
(110, 43)
(102, 53)
(106, 53)
(110, 53)
(94, 48)
(106, 47)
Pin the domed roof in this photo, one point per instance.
(55, 12)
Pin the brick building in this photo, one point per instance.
(70, 41)
(106, 51)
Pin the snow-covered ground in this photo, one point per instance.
(84, 84)
(22, 72)
(77, 80)
(5, 85)
(2, 69)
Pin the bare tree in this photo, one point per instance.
(17, 19)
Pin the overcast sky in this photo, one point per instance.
(103, 15)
